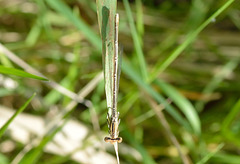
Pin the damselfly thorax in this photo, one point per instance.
(113, 124)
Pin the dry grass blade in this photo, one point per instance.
(158, 111)
(106, 11)
(15, 59)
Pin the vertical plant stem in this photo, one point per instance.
(159, 68)
(136, 41)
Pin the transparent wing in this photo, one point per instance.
(119, 66)
(116, 67)
(108, 76)
(118, 75)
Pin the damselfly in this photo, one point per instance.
(111, 86)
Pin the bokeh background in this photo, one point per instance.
(179, 87)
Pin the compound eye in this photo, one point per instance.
(107, 139)
(119, 139)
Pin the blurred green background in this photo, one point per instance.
(179, 87)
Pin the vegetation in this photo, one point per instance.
(178, 96)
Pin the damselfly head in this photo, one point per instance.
(113, 140)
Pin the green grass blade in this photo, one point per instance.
(43, 20)
(227, 123)
(229, 118)
(136, 41)
(5, 126)
(225, 158)
(211, 154)
(34, 33)
(5, 61)
(34, 154)
(106, 11)
(139, 18)
(197, 14)
(17, 72)
(161, 66)
(216, 80)
(62, 8)
(185, 106)
(127, 69)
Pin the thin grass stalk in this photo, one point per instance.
(158, 111)
(21, 109)
(206, 158)
(18, 61)
(136, 41)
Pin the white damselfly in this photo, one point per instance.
(112, 75)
